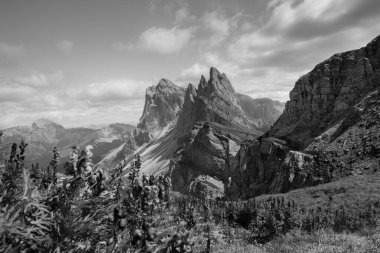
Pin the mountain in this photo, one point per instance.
(44, 134)
(329, 129)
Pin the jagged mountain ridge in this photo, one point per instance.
(215, 100)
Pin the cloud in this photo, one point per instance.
(309, 19)
(26, 98)
(299, 34)
(112, 91)
(39, 79)
(66, 46)
(163, 40)
(14, 93)
(217, 26)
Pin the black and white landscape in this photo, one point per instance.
(190, 126)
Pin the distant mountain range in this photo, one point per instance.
(44, 134)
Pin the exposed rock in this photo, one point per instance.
(200, 164)
(163, 103)
(141, 136)
(254, 167)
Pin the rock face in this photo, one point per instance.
(163, 103)
(329, 130)
(200, 163)
(326, 94)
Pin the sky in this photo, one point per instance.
(89, 62)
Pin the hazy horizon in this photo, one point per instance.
(83, 63)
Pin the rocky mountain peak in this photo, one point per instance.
(165, 83)
(162, 105)
(217, 86)
(216, 101)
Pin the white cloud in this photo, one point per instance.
(164, 41)
(66, 46)
(39, 79)
(111, 91)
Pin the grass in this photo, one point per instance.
(322, 241)
(352, 193)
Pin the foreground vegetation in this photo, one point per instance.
(101, 211)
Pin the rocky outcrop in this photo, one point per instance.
(199, 165)
(163, 103)
(326, 94)
(142, 136)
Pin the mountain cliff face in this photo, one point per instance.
(163, 103)
(327, 93)
(329, 129)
